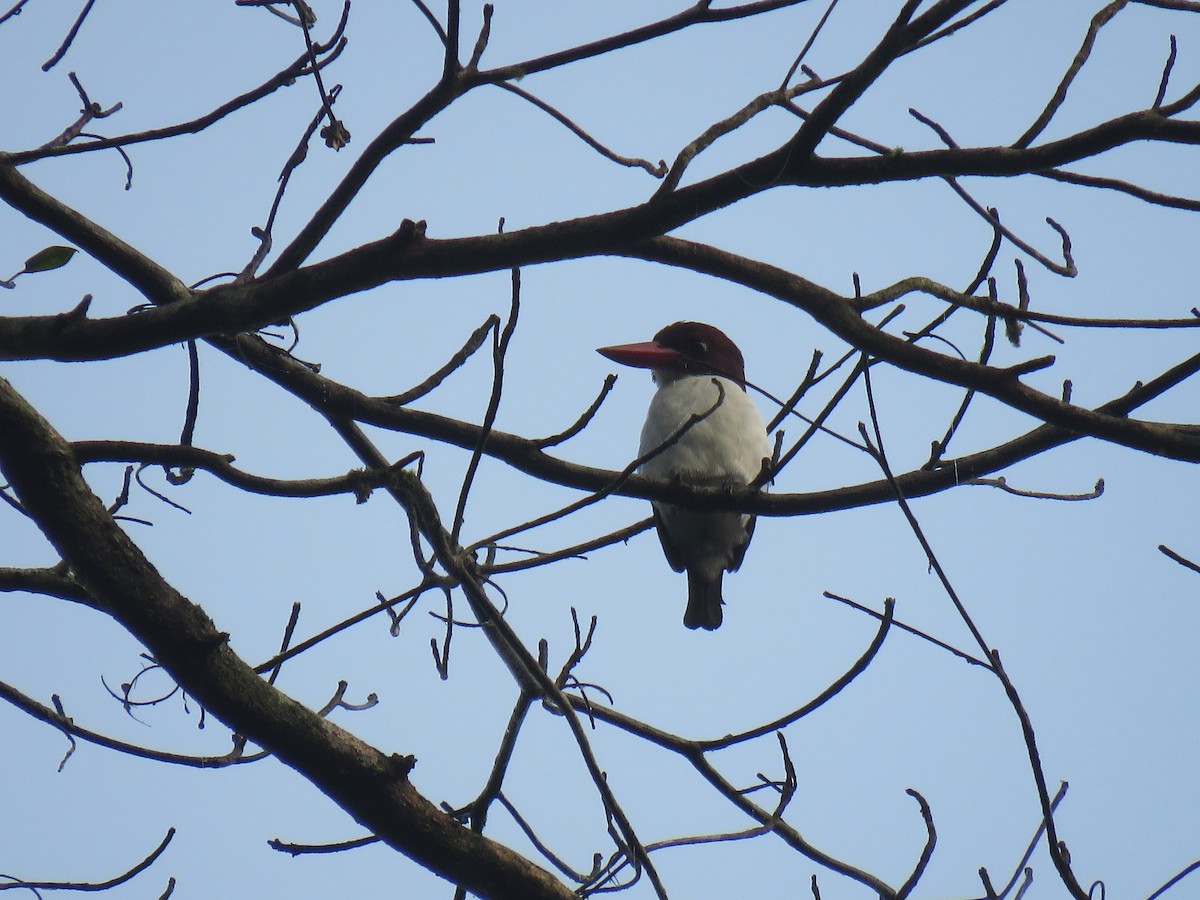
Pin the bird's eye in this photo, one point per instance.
(699, 348)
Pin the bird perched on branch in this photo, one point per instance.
(707, 433)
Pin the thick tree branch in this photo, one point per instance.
(370, 785)
(527, 455)
(1179, 441)
(154, 282)
(330, 397)
(50, 582)
(407, 254)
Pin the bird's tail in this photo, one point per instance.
(704, 601)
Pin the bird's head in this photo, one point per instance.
(685, 348)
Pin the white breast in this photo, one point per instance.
(728, 446)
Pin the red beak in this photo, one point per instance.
(648, 355)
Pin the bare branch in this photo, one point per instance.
(950, 369)
(1023, 865)
(1066, 268)
(357, 482)
(87, 113)
(584, 419)
(860, 666)
(101, 885)
(1166, 77)
(500, 343)
(967, 657)
(720, 129)
(236, 756)
(38, 463)
(838, 315)
(14, 11)
(1125, 187)
(926, 852)
(632, 161)
(699, 13)
(1002, 483)
(415, 499)
(1099, 20)
(285, 78)
(1171, 554)
(407, 600)
(307, 849)
(473, 343)
(52, 582)
(1055, 846)
(1174, 880)
(812, 38)
(481, 42)
(432, 20)
(70, 38)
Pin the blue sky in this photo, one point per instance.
(1095, 626)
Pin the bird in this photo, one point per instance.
(699, 372)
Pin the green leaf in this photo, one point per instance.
(49, 258)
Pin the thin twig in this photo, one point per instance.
(15, 11)
(1099, 20)
(432, 20)
(985, 353)
(500, 344)
(614, 484)
(70, 38)
(1183, 561)
(812, 38)
(335, 847)
(51, 716)
(763, 101)
(285, 78)
(473, 343)
(1166, 76)
(1002, 483)
(87, 112)
(658, 171)
(926, 852)
(408, 599)
(860, 665)
(298, 155)
(1115, 184)
(1066, 267)
(584, 419)
(481, 42)
(916, 632)
(1055, 846)
(1174, 880)
(288, 631)
(1022, 865)
(91, 886)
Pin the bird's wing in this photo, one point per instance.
(674, 558)
(739, 552)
